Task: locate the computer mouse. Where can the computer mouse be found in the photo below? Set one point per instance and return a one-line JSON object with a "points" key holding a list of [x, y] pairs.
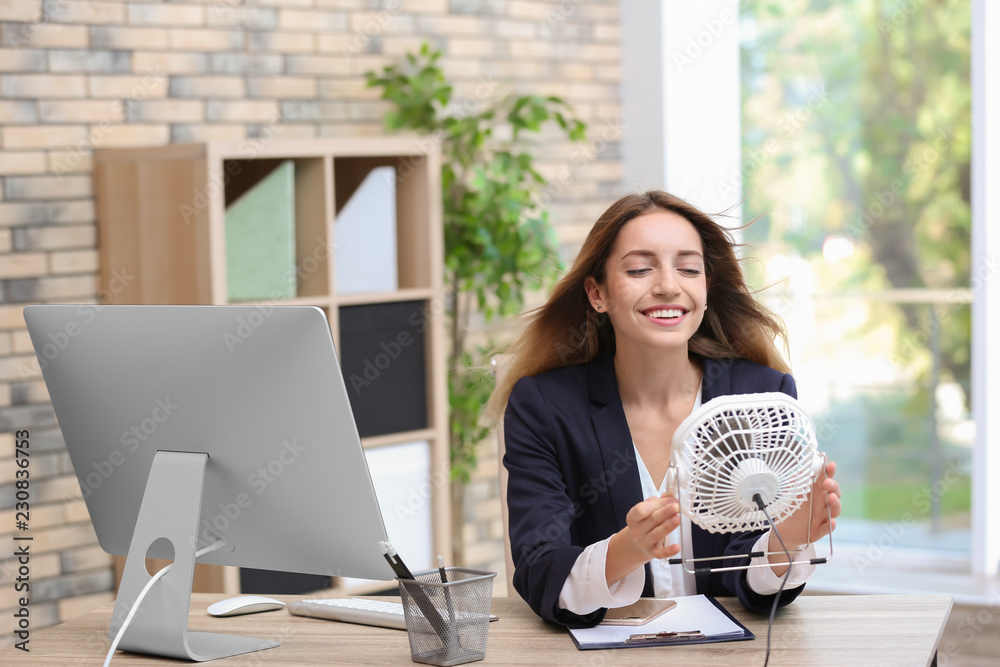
{"points": [[244, 604]]}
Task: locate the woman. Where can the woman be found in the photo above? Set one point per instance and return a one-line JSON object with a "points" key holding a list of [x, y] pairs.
{"points": [[653, 320]]}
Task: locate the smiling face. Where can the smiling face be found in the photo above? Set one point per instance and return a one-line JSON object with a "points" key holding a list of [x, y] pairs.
{"points": [[654, 287]]}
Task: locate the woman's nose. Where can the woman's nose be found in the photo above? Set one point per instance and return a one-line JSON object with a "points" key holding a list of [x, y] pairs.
{"points": [[667, 283]]}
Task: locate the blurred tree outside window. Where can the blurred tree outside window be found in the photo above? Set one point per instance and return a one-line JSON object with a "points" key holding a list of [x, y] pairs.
{"points": [[856, 131]]}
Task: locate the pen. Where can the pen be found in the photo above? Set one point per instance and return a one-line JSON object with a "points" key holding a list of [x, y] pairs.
{"points": [[444, 575], [427, 607], [447, 593], [653, 636], [395, 562]]}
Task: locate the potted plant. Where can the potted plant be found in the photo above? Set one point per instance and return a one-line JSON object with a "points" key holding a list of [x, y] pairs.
{"points": [[498, 242]]}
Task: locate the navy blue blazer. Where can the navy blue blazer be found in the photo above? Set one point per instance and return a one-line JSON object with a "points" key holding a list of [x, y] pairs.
{"points": [[574, 477]]}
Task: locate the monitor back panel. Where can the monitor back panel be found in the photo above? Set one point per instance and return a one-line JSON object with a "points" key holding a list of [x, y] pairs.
{"points": [[258, 388]]}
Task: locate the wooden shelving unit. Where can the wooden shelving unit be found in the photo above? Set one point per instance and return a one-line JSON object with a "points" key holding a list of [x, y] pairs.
{"points": [[162, 217]]}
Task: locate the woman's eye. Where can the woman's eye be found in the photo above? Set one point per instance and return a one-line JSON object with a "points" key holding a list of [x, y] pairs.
{"points": [[691, 272], [636, 272]]}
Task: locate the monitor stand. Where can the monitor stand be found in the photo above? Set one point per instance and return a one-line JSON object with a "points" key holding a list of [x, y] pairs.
{"points": [[170, 509]]}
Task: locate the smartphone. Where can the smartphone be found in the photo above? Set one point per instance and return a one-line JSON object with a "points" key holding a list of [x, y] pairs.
{"points": [[638, 613]]}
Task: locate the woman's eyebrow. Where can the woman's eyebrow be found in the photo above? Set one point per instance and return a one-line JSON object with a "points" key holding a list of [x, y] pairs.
{"points": [[651, 254], [639, 253]]}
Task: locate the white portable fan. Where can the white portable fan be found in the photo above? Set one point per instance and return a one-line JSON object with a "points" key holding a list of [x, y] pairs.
{"points": [[736, 450]]}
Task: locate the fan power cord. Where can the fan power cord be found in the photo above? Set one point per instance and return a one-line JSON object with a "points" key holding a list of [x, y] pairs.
{"points": [[145, 589], [777, 596]]}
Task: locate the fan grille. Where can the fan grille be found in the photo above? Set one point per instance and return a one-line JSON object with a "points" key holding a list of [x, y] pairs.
{"points": [[734, 447]]}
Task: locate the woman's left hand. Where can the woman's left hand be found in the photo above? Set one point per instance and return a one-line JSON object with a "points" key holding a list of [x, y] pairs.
{"points": [[803, 526]]}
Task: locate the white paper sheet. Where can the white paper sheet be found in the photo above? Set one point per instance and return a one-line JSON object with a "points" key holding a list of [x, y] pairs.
{"points": [[693, 612]]}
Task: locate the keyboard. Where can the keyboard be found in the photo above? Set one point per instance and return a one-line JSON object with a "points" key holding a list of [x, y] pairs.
{"points": [[352, 610], [355, 610]]}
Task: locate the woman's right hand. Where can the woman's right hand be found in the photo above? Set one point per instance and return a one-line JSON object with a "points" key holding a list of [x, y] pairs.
{"points": [[642, 539], [649, 523]]}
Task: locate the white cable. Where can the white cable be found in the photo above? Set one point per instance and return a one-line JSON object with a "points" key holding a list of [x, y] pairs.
{"points": [[145, 589], [131, 612]]}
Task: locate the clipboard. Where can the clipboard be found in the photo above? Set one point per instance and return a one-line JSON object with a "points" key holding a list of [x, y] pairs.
{"points": [[678, 627]]}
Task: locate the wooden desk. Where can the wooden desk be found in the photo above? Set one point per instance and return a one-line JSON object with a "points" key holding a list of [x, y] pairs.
{"points": [[822, 631]]}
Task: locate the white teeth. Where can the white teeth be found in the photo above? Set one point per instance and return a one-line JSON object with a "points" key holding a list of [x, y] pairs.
{"points": [[665, 313]]}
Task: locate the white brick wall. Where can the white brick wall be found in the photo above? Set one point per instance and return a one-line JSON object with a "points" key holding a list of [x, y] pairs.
{"points": [[76, 75]]}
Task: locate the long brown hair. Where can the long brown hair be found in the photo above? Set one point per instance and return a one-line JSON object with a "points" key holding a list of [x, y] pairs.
{"points": [[567, 330]]}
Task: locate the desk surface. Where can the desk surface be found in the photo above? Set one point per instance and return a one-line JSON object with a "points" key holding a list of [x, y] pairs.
{"points": [[814, 630]]}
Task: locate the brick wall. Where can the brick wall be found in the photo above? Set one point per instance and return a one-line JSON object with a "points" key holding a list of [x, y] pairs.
{"points": [[79, 75]]}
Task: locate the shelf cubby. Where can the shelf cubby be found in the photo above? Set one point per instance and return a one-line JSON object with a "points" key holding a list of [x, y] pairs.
{"points": [[162, 218]]}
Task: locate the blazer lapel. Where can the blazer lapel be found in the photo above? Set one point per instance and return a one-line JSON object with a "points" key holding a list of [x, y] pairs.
{"points": [[614, 440], [715, 379]]}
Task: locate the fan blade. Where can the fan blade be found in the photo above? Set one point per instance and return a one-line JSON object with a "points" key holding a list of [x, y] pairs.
{"points": [[729, 439]]}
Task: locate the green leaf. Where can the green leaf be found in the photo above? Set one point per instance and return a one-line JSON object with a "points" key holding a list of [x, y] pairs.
{"points": [[496, 242]]}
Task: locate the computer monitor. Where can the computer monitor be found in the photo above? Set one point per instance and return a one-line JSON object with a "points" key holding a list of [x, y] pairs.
{"points": [[187, 425]]}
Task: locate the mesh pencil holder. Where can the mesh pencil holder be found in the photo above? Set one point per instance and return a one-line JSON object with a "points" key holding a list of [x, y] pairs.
{"points": [[447, 622]]}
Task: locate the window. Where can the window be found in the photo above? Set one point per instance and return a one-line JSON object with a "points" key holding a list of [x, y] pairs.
{"points": [[853, 123], [857, 162]]}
